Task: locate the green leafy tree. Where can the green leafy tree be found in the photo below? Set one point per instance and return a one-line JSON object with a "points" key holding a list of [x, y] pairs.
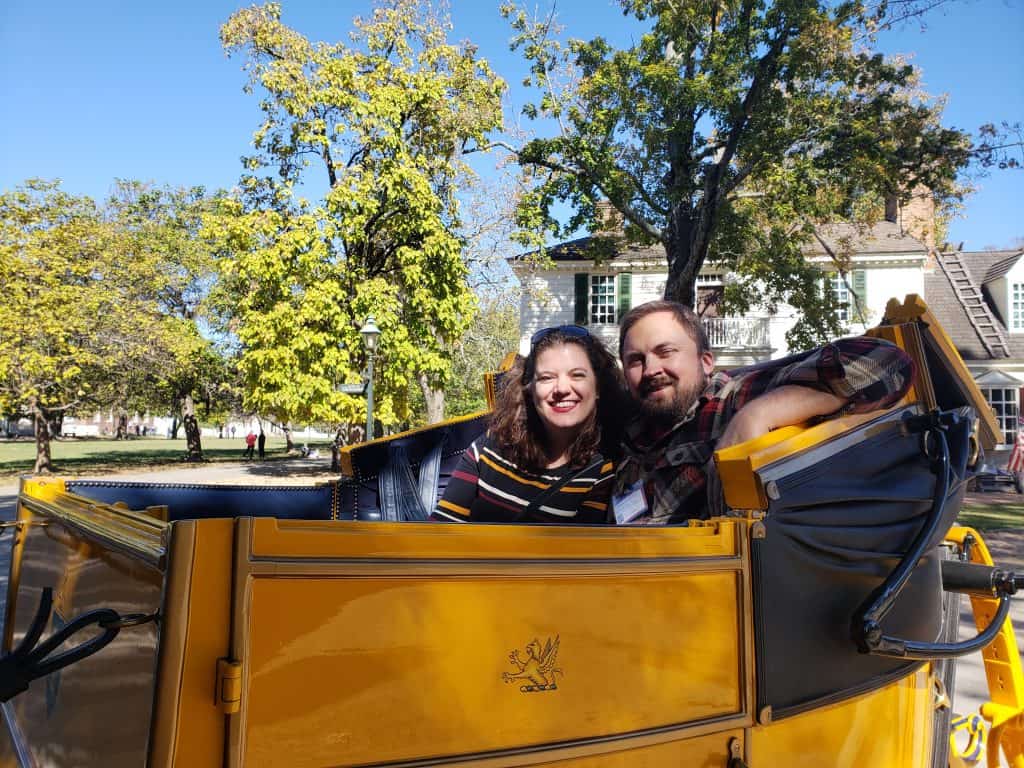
{"points": [[100, 306], [729, 131], [70, 319], [487, 229], [160, 234], [375, 131], [493, 335]]}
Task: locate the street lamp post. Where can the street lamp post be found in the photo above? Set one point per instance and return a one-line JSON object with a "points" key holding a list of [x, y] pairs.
{"points": [[370, 333]]}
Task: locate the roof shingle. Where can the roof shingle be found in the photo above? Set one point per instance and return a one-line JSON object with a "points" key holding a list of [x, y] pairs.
{"points": [[948, 310]]}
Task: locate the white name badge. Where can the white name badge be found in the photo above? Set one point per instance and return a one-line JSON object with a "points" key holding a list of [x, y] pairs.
{"points": [[630, 504]]}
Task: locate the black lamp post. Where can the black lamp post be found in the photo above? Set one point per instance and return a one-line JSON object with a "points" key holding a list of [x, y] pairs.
{"points": [[370, 333]]}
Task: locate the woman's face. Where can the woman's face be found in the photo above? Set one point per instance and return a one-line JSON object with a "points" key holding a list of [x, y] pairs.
{"points": [[564, 388]]}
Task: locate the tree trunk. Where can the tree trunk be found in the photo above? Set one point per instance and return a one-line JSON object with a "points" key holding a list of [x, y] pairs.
{"points": [[339, 440], [122, 427], [44, 461], [56, 425], [289, 445], [175, 426], [685, 249], [193, 437], [434, 399]]}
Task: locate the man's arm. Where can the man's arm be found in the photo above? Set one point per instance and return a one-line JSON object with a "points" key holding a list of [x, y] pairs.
{"points": [[790, 404], [857, 375]]}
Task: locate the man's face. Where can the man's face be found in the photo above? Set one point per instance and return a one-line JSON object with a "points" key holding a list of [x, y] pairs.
{"points": [[665, 373]]}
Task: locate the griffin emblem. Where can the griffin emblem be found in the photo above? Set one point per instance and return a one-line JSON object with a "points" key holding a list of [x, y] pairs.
{"points": [[538, 670]]}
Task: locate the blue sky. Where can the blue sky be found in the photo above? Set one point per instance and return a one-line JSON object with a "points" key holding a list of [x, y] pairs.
{"points": [[122, 88]]}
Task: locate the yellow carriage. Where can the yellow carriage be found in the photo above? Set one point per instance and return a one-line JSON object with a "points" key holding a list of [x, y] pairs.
{"points": [[813, 625]]}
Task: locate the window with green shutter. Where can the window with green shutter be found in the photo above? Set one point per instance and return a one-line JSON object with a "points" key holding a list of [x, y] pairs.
{"points": [[859, 281], [625, 294], [838, 286], [850, 294], [602, 299], [582, 313]]}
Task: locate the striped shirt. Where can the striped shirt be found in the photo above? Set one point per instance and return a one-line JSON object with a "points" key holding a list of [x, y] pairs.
{"points": [[486, 487]]}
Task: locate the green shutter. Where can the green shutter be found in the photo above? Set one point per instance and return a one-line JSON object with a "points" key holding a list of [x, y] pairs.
{"points": [[859, 284], [625, 294], [582, 296]]}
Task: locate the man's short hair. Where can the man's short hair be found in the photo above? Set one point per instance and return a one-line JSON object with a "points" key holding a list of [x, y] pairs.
{"points": [[685, 316]]}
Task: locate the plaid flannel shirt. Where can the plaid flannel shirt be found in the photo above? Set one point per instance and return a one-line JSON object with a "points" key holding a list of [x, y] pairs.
{"points": [[676, 468]]}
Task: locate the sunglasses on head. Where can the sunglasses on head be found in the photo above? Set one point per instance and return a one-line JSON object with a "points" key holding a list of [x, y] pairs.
{"points": [[576, 331]]}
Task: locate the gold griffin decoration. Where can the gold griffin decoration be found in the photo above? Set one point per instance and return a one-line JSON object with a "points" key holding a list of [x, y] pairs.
{"points": [[538, 670]]}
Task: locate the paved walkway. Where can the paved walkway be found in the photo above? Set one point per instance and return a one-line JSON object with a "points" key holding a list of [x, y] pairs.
{"points": [[293, 471]]}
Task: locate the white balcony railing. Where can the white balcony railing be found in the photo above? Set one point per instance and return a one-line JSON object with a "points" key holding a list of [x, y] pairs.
{"points": [[737, 332]]}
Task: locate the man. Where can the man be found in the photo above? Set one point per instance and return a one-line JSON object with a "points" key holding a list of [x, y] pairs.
{"points": [[686, 411]]}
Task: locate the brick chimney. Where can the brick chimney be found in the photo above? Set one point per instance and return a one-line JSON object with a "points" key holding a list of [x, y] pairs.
{"points": [[892, 209], [917, 216], [609, 220]]}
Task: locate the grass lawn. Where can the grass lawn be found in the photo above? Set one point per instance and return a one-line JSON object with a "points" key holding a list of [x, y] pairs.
{"points": [[89, 455], [992, 516]]}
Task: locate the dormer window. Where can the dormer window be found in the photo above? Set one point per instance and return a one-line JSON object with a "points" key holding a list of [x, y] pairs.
{"points": [[1017, 307]]}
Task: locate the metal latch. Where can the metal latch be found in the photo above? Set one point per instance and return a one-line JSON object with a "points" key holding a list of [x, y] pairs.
{"points": [[940, 698], [228, 695], [736, 754]]}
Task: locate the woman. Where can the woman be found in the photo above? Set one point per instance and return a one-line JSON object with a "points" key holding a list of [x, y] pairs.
{"points": [[548, 454]]}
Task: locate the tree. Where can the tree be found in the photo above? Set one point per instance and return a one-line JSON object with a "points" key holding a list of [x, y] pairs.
{"points": [[160, 235], [96, 305], [486, 229], [386, 122], [493, 334], [69, 319], [729, 132]]}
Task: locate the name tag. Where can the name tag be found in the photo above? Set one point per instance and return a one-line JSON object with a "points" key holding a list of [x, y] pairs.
{"points": [[630, 504]]}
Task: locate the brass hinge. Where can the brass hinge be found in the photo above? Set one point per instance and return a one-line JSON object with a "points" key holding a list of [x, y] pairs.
{"points": [[940, 698], [736, 754], [228, 695]]}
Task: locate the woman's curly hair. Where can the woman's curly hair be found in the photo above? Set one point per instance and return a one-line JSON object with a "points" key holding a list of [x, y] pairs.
{"points": [[517, 429]]}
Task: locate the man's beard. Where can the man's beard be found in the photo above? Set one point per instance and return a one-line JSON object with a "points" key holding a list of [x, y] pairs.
{"points": [[667, 413]]}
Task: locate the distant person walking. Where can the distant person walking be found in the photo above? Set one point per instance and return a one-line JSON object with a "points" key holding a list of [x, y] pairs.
{"points": [[250, 444], [261, 443]]}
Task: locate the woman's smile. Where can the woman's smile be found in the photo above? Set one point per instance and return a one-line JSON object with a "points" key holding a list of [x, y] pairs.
{"points": [[564, 406], [564, 389]]}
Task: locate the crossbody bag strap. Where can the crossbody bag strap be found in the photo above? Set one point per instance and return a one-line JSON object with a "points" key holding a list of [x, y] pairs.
{"points": [[555, 487]]}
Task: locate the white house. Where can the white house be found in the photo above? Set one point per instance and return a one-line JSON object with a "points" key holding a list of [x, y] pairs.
{"points": [[978, 297], [577, 288]]}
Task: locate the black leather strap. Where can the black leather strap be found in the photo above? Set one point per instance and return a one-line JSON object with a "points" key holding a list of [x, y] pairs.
{"points": [[555, 487], [404, 498]]}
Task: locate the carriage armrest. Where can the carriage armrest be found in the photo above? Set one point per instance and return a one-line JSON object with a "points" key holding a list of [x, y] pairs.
{"points": [[739, 465]]}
